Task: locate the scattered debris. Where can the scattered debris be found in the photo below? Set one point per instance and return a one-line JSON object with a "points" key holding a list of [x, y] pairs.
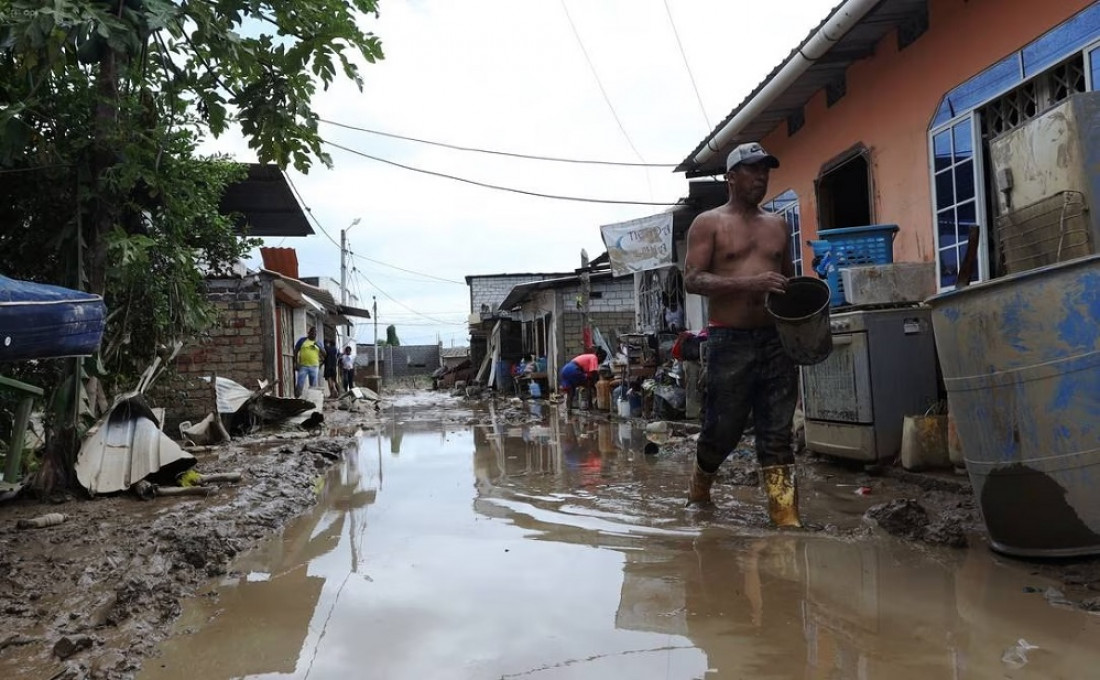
{"points": [[1056, 597], [314, 422], [207, 431], [127, 446], [1015, 657], [68, 646], [17, 640], [1091, 604], [264, 409], [192, 478], [42, 521], [906, 518], [945, 531], [147, 491]]}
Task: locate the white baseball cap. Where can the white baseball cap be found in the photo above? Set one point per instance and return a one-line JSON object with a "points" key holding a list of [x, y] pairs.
{"points": [[750, 152]]}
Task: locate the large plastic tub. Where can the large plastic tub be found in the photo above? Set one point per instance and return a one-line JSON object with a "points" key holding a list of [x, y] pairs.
{"points": [[1021, 362], [851, 247]]}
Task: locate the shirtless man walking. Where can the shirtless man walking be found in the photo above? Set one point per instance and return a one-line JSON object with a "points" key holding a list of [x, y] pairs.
{"points": [[737, 254]]}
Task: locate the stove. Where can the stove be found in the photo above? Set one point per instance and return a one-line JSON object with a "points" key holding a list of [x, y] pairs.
{"points": [[883, 368]]}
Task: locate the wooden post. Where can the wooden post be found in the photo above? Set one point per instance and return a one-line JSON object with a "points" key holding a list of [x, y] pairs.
{"points": [[19, 425], [962, 280]]}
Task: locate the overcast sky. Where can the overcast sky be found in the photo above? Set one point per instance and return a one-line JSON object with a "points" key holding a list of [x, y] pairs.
{"points": [[510, 75]]}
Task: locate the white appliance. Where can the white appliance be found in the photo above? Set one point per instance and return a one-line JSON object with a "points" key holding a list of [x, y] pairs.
{"points": [[883, 368]]}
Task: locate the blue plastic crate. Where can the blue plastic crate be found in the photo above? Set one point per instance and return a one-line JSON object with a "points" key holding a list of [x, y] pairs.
{"points": [[851, 247]]}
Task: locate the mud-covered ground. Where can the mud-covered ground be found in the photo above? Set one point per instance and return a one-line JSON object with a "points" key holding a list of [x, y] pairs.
{"points": [[93, 596]]}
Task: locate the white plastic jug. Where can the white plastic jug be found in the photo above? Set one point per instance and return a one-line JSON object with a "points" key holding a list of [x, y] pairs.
{"points": [[624, 408]]}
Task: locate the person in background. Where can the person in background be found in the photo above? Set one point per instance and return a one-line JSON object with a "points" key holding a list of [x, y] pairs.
{"points": [[330, 363], [674, 316], [308, 356], [582, 371], [738, 254], [347, 368]]}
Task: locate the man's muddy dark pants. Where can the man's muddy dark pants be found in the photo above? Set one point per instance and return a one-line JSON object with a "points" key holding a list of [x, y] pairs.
{"points": [[747, 371]]}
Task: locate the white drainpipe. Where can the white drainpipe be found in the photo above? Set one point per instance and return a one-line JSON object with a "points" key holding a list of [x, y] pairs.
{"points": [[849, 14]]}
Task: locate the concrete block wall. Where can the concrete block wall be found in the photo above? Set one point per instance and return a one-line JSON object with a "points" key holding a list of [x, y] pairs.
{"points": [[491, 290], [617, 295], [233, 348], [607, 322], [397, 362]]}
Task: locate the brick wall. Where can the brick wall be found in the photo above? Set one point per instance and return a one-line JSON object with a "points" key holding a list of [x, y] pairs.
{"points": [[233, 348]]}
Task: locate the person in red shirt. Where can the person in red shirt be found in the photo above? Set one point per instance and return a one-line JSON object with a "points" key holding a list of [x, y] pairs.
{"points": [[583, 370]]}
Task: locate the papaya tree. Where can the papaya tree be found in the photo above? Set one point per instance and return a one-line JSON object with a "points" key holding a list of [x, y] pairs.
{"points": [[102, 106]]}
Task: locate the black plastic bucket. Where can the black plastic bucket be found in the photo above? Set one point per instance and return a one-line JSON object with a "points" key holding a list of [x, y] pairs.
{"points": [[802, 318]]}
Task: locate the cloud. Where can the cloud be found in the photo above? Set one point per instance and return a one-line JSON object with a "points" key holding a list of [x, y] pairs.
{"points": [[509, 75]]}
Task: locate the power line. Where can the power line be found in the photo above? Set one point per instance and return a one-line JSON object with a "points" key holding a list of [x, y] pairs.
{"points": [[492, 186], [457, 147], [409, 271], [317, 223], [409, 278], [592, 67], [698, 97], [398, 302], [308, 210]]}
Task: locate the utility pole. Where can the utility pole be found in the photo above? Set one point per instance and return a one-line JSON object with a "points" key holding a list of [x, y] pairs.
{"points": [[344, 253], [374, 313], [586, 292]]}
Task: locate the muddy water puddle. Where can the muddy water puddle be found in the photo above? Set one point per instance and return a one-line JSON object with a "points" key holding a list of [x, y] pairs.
{"points": [[559, 550]]}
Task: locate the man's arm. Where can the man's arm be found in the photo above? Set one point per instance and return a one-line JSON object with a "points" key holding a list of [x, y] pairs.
{"points": [[297, 348], [697, 276]]}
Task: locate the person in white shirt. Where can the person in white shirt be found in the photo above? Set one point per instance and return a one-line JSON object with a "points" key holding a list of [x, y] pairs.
{"points": [[347, 368]]}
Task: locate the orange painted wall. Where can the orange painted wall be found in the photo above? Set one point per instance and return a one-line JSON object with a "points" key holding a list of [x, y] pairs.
{"points": [[891, 98]]}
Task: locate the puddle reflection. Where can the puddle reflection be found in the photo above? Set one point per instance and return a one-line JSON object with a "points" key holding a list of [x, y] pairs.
{"points": [[570, 556]]}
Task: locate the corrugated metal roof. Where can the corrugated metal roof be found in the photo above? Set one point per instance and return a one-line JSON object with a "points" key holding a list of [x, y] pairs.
{"points": [[266, 204], [281, 260], [521, 292], [858, 43], [455, 352], [471, 277], [125, 447]]}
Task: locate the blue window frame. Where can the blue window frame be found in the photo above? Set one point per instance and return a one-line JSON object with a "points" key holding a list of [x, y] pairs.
{"points": [[1092, 67], [956, 195], [786, 206], [1045, 51]]}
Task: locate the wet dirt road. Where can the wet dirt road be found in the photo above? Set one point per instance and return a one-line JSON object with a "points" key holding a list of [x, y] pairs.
{"points": [[557, 549]]}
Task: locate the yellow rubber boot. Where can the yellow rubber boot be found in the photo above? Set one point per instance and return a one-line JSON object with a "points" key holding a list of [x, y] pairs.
{"points": [[699, 493], [782, 495]]}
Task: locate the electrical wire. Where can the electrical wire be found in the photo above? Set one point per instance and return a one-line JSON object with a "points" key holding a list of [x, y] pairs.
{"points": [[408, 271], [317, 223], [398, 302], [691, 76], [445, 145], [309, 211], [493, 186], [592, 67]]}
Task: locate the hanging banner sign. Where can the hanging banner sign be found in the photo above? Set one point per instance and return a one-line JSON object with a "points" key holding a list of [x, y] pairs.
{"points": [[639, 245]]}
